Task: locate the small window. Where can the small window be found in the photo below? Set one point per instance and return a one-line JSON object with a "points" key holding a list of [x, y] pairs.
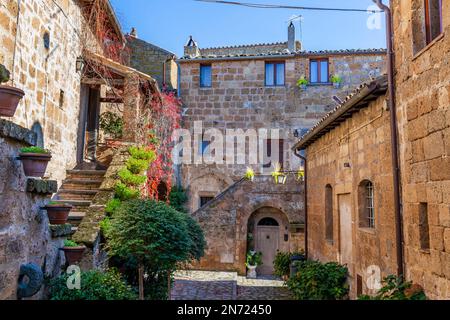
{"points": [[268, 222], [433, 19], [204, 201], [269, 153], [275, 72], [424, 228], [329, 213], [366, 205], [205, 76], [319, 71]]}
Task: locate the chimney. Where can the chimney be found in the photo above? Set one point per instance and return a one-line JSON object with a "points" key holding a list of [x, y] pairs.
{"points": [[291, 37], [133, 33], [191, 48]]}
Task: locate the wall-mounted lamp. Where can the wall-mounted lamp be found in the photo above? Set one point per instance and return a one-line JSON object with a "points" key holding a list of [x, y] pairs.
{"points": [[80, 64]]}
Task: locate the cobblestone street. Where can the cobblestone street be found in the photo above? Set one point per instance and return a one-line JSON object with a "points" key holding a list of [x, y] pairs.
{"points": [[203, 285]]}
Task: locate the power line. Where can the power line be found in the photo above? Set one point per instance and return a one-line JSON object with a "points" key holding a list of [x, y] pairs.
{"points": [[275, 6]]}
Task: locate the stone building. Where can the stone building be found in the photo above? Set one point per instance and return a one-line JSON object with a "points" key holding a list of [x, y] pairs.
{"points": [[153, 60], [350, 195], [254, 87], [357, 150], [422, 66], [67, 64]]}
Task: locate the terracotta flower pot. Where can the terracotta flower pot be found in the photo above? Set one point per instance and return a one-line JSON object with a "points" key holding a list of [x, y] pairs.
{"points": [[73, 254], [35, 164], [9, 99], [58, 214]]}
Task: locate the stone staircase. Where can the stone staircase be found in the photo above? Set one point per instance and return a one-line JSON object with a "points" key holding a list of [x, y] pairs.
{"points": [[78, 190]]}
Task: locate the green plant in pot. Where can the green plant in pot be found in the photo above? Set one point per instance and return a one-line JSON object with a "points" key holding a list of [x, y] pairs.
{"points": [[57, 212], [249, 174], [112, 125], [254, 260], [9, 96], [302, 83], [336, 80], [35, 161], [73, 251]]}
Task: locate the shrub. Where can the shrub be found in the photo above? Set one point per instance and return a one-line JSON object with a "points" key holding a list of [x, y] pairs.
{"points": [[137, 166], [112, 206], [317, 281], [395, 288], [282, 263], [70, 244], [178, 199], [105, 226], [38, 150], [95, 285], [112, 124], [142, 153], [154, 236], [131, 179], [125, 193]]}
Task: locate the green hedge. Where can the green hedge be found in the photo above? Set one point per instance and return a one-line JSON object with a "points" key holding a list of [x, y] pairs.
{"points": [[319, 281]]}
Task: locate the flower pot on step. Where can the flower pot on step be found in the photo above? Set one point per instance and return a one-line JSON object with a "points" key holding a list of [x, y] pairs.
{"points": [[73, 254], [9, 99], [58, 214], [35, 164]]}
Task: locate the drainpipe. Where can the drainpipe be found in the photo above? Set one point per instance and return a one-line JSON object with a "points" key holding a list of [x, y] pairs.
{"points": [[394, 139], [296, 152]]}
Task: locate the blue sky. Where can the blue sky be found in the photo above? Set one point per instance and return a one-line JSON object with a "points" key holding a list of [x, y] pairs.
{"points": [[168, 23]]}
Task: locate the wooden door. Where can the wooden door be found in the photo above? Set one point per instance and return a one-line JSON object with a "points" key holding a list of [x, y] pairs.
{"points": [[267, 242], [345, 230]]}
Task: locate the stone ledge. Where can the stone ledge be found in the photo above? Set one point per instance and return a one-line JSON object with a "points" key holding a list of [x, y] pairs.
{"points": [[11, 130], [61, 230], [39, 186]]}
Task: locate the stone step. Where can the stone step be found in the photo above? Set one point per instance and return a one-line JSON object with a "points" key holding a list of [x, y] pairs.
{"points": [[76, 194], [81, 184], [85, 174], [75, 218], [78, 205]]}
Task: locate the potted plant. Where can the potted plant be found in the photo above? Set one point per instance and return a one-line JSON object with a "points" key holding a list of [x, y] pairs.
{"points": [[9, 96], [73, 251], [35, 161], [302, 82], [336, 80], [254, 260], [57, 213], [112, 125], [278, 175], [249, 174]]}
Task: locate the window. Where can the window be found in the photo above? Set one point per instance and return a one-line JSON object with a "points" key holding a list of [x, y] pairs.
{"points": [[204, 201], [329, 213], [204, 147], [205, 76], [269, 153], [319, 71], [275, 74], [433, 19], [424, 228], [268, 222], [366, 205]]}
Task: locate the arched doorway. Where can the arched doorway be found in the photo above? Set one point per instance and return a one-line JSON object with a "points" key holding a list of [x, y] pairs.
{"points": [[268, 233]]}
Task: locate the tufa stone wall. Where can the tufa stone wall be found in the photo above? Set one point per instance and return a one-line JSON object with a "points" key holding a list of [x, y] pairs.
{"points": [[239, 99], [226, 220], [154, 61], [423, 103], [363, 143], [25, 233]]}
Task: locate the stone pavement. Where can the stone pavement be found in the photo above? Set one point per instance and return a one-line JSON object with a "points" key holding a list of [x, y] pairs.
{"points": [[205, 285]]}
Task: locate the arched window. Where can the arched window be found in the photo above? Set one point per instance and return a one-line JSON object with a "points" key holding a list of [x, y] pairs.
{"points": [[366, 205], [329, 213], [268, 222]]}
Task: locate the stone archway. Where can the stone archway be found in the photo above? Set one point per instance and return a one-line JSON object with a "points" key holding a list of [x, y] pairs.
{"points": [[268, 233]]}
